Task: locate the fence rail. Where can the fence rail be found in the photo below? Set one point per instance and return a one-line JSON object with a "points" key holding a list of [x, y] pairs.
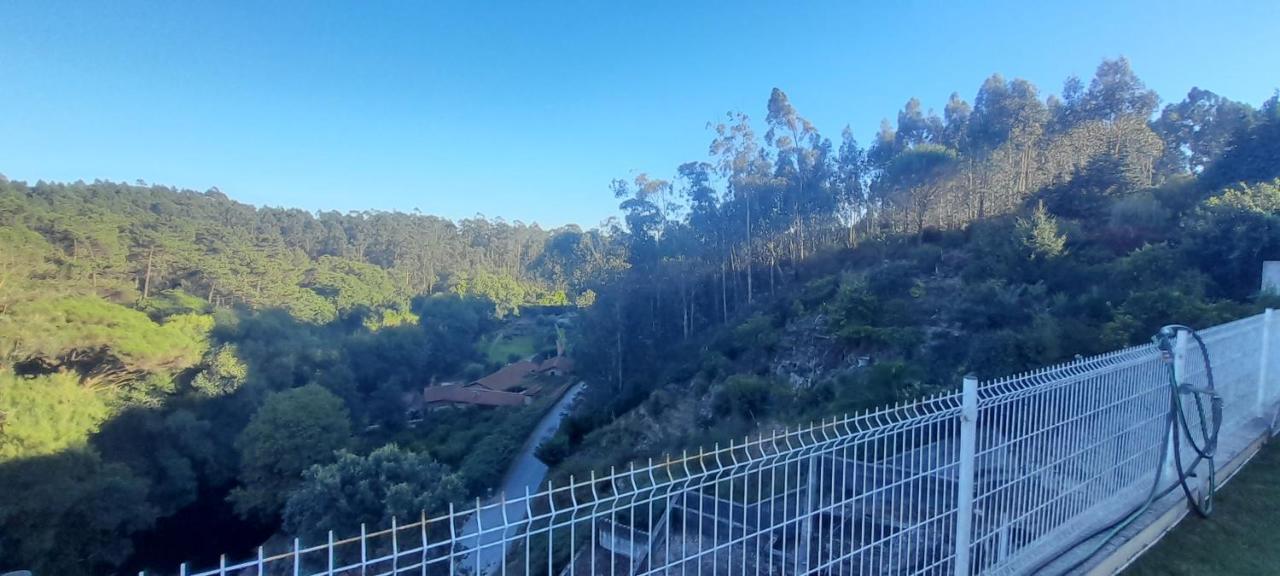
{"points": [[993, 478]]}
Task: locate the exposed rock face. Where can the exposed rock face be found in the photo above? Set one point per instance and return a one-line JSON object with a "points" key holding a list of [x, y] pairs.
{"points": [[807, 353]]}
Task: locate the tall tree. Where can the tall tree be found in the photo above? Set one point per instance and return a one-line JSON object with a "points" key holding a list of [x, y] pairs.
{"points": [[292, 431], [1116, 92]]}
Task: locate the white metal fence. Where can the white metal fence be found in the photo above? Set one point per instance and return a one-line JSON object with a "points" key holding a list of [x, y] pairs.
{"points": [[993, 478]]}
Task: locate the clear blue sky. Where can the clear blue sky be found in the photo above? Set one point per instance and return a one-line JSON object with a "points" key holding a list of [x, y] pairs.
{"points": [[523, 111]]}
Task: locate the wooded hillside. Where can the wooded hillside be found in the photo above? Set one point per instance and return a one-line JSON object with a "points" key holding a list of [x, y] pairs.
{"points": [[173, 352]]}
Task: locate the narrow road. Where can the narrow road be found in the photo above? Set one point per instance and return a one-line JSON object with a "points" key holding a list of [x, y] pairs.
{"points": [[526, 473]]}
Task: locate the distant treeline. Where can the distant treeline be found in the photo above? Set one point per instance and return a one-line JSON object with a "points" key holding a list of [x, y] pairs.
{"points": [[162, 346]]}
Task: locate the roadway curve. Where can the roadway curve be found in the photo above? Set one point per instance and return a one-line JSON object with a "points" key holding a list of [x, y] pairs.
{"points": [[525, 473]]}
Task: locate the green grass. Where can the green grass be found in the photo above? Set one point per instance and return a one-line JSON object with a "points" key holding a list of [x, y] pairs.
{"points": [[502, 347], [1242, 536]]}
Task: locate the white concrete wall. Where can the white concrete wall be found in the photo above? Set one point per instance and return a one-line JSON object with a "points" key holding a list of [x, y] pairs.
{"points": [[1271, 276]]}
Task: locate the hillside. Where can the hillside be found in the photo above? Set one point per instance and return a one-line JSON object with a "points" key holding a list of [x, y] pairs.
{"points": [[1104, 227], [185, 356]]}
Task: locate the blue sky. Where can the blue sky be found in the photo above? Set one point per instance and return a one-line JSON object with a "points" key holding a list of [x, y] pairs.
{"points": [[526, 110]]}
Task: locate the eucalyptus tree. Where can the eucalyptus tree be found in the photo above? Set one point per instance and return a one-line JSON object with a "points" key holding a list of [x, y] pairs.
{"points": [[850, 182], [1198, 130]]}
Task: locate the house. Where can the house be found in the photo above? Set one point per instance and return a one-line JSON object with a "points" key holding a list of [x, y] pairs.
{"points": [[508, 378], [454, 395], [556, 366]]}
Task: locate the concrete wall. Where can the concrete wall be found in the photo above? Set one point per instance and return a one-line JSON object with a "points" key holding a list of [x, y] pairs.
{"points": [[1271, 276]]}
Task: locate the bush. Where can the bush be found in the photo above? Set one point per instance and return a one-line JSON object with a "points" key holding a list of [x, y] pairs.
{"points": [[756, 334], [554, 450], [746, 396]]}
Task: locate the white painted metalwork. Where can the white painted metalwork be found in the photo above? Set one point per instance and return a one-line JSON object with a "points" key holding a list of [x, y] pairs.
{"points": [[991, 479]]}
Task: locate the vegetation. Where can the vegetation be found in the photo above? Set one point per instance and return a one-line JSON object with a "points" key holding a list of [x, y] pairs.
{"points": [[1236, 539], [356, 490], [1007, 234], [290, 432], [162, 349]]}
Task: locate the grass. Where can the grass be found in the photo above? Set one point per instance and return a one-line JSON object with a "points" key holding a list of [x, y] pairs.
{"points": [[1240, 537], [503, 347]]}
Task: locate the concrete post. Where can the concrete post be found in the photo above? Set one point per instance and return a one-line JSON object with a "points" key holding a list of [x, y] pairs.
{"points": [[1179, 378], [1264, 361], [968, 451]]}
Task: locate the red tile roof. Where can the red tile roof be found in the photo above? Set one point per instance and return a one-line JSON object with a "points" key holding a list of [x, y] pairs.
{"points": [[472, 395], [563, 363], [508, 377]]}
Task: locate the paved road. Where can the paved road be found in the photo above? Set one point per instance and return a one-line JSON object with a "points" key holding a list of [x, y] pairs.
{"points": [[527, 471]]}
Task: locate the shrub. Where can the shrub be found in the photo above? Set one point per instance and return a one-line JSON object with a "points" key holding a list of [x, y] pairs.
{"points": [[746, 396]]}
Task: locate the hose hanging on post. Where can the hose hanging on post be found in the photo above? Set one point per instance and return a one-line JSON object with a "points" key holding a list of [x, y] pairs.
{"points": [[1206, 451], [1176, 426]]}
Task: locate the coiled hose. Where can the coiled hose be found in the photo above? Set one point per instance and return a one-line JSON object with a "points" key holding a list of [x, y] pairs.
{"points": [[1176, 427]]}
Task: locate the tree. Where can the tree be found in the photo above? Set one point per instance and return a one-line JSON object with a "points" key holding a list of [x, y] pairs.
{"points": [[107, 344], [1253, 154], [955, 132], [224, 373], [915, 180], [1198, 130], [1040, 235], [292, 431], [851, 181], [1231, 234], [1116, 92], [1088, 193], [46, 414], [353, 490], [914, 128], [178, 452], [70, 514]]}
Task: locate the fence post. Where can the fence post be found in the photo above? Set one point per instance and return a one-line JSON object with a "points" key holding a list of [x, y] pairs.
{"points": [[968, 450], [1264, 360], [1179, 378]]}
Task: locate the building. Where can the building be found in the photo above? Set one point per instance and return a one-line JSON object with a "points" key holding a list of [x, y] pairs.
{"points": [[556, 366], [509, 378], [454, 395]]}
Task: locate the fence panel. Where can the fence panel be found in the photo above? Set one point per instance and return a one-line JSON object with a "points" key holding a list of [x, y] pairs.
{"points": [[1056, 454]]}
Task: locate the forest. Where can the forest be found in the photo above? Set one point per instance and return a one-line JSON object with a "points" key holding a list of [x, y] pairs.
{"points": [[166, 354]]}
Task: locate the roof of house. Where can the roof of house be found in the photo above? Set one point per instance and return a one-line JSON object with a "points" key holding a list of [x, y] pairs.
{"points": [[472, 395], [508, 377], [563, 363]]}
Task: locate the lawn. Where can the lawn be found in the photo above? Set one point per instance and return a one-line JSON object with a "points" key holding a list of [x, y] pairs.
{"points": [[504, 346], [1240, 538]]}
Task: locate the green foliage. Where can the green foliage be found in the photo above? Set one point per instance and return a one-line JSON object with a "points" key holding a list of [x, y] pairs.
{"points": [[1261, 198], [756, 335], [485, 461], [506, 346], [69, 514], [107, 343], [746, 396], [292, 431], [1040, 235], [223, 374], [554, 450], [1252, 153], [505, 292], [1230, 235], [172, 303], [1089, 192], [23, 264], [45, 415], [775, 252], [881, 384], [388, 483], [1144, 312], [862, 320], [177, 451]]}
